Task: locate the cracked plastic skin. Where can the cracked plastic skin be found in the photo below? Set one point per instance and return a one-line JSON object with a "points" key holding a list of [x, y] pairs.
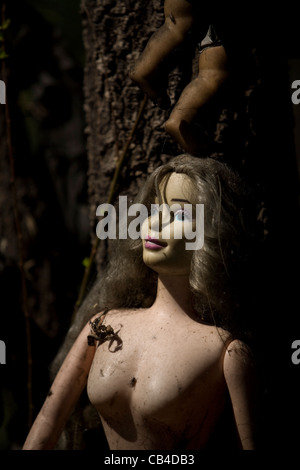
{"points": [[150, 73], [166, 387]]}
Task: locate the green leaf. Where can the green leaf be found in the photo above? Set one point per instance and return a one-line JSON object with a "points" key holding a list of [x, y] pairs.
{"points": [[3, 55], [5, 25], [86, 262]]}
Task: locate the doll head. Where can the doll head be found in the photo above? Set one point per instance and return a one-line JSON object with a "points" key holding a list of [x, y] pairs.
{"points": [[215, 269], [173, 220]]}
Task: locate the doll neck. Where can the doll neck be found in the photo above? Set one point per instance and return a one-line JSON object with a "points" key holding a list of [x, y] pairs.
{"points": [[173, 296]]}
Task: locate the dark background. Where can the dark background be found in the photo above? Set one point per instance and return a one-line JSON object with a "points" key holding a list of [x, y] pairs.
{"points": [[45, 82], [45, 99]]}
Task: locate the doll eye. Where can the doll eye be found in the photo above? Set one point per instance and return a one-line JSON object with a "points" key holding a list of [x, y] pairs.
{"points": [[154, 209], [182, 215]]}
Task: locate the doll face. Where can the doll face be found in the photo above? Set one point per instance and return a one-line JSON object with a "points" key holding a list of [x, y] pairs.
{"points": [[169, 255]]}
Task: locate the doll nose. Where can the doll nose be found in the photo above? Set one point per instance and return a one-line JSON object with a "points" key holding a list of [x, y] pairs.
{"points": [[159, 219]]}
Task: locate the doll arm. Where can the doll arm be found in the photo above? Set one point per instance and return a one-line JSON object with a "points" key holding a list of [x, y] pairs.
{"points": [[63, 395], [148, 71], [240, 376], [179, 19]]}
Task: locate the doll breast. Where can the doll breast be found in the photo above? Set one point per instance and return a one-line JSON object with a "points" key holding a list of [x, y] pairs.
{"points": [[153, 387]]}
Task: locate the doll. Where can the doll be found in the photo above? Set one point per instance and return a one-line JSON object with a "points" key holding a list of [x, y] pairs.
{"points": [[183, 17], [165, 352]]}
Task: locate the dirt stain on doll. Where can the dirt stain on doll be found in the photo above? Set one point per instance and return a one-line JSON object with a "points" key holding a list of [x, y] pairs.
{"points": [[132, 382], [179, 386]]}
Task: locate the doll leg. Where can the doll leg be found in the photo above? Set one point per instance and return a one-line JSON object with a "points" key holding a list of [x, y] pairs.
{"points": [[149, 71], [213, 73]]}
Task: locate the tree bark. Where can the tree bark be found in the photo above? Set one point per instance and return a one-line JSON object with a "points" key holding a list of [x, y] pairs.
{"points": [[114, 35]]}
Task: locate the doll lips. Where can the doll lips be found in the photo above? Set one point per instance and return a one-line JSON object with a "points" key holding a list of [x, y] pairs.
{"points": [[154, 243]]}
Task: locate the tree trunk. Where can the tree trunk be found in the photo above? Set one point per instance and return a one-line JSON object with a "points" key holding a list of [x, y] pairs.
{"points": [[114, 34]]}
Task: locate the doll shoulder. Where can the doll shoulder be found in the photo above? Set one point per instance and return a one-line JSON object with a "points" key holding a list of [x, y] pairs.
{"points": [[238, 363]]}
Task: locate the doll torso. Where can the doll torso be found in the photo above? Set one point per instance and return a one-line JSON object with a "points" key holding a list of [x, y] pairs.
{"points": [[164, 389]]}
